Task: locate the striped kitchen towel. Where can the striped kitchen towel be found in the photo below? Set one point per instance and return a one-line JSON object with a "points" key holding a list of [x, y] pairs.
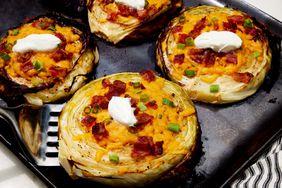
{"points": [[266, 172]]}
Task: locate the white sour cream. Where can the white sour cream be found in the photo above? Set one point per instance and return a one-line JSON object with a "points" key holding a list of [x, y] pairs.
{"points": [[219, 41], [37, 42], [121, 111], [138, 4]]}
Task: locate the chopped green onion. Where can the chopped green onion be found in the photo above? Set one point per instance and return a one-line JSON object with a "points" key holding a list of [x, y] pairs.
{"points": [[8, 46], [5, 56], [214, 88], [15, 32], [181, 45], [168, 102], [174, 127], [160, 116], [182, 19], [144, 98], [141, 106], [37, 65], [256, 54], [137, 92], [51, 28], [95, 109], [189, 41], [87, 110], [190, 73], [248, 23], [114, 158], [136, 84]]}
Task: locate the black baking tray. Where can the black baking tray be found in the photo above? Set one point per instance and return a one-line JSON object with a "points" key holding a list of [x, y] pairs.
{"points": [[232, 135]]}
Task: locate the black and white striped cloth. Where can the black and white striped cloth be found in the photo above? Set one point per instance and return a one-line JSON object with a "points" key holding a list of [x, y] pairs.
{"points": [[266, 172]]}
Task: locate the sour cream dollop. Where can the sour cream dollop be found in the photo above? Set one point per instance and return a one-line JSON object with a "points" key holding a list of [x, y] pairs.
{"points": [[36, 42], [121, 111], [219, 41], [138, 4]]}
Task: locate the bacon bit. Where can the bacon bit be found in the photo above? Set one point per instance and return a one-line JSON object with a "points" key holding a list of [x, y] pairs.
{"points": [[145, 146], [99, 101], [201, 24], [116, 89], [148, 75], [106, 83], [178, 59], [142, 14], [158, 148], [25, 67], [143, 119], [133, 101], [152, 10], [231, 58], [99, 131], [60, 55], [112, 16], [152, 104], [230, 26], [205, 56], [236, 19], [24, 57], [257, 34], [242, 77], [182, 38], [88, 121], [42, 23], [136, 111], [142, 147], [62, 38], [58, 72], [177, 29], [215, 25], [126, 11]]}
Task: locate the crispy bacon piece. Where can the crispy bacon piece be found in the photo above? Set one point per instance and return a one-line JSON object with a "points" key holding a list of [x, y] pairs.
{"points": [[58, 72], [158, 148], [106, 83], [143, 119], [43, 23], [99, 101], [60, 55], [88, 121], [142, 147], [206, 56], [112, 16], [152, 104], [178, 59], [116, 89], [231, 58], [216, 25], [24, 57], [25, 67], [62, 38], [133, 101], [242, 77], [236, 19], [257, 34], [177, 29], [148, 75], [230, 26], [99, 131], [145, 146], [201, 24], [182, 38], [126, 11]]}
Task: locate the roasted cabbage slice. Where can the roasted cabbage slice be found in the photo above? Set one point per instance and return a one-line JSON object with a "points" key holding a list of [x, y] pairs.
{"points": [[207, 75], [116, 20], [31, 64], [94, 144]]}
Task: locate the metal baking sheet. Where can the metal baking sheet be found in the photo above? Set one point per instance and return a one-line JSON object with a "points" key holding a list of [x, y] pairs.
{"points": [[231, 135]]}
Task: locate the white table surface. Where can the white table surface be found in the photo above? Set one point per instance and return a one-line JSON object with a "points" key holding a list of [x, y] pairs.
{"points": [[14, 174]]}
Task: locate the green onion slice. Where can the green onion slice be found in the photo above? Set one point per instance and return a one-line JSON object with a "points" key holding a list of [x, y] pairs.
{"points": [[248, 23], [190, 73], [37, 65], [15, 32], [181, 45], [141, 106], [214, 88], [189, 41], [168, 102], [114, 158], [144, 98], [174, 127], [5, 56]]}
